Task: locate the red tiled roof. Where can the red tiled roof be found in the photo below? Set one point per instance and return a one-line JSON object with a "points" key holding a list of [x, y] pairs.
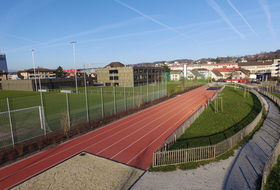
{"points": [[226, 70]]}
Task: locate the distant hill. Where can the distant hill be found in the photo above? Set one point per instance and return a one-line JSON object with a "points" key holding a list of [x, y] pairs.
{"points": [[263, 56]]}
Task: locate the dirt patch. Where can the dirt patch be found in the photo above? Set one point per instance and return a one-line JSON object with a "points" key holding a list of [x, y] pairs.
{"points": [[84, 171]]}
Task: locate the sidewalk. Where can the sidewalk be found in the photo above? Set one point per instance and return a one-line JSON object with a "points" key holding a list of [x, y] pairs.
{"points": [[247, 168]]}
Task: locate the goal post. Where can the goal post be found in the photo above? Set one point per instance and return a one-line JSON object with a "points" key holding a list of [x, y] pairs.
{"points": [[21, 124]]}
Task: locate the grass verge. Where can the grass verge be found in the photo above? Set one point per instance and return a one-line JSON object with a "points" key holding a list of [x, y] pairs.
{"points": [[194, 165], [273, 180], [211, 128]]}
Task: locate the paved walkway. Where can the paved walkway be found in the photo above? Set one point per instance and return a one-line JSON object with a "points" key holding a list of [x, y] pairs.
{"points": [[248, 165]]}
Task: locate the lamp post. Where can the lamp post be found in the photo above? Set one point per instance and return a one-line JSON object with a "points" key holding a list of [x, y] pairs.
{"points": [[73, 42], [32, 51]]}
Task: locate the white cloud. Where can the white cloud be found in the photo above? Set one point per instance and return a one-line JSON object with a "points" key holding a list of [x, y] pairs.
{"points": [[266, 9], [155, 20], [215, 6], [242, 18]]}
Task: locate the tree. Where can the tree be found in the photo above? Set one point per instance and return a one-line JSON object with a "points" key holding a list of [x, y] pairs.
{"points": [[166, 68], [228, 58], [238, 60], [59, 72], [218, 60]]}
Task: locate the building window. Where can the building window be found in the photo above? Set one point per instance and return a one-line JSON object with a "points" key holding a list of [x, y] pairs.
{"points": [[135, 77], [135, 70], [114, 78], [113, 71], [140, 70], [141, 76]]}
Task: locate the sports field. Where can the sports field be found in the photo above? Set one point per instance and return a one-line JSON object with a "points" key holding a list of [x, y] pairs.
{"points": [[75, 107]]}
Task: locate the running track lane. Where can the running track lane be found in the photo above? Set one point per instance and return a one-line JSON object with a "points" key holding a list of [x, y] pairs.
{"points": [[131, 140]]}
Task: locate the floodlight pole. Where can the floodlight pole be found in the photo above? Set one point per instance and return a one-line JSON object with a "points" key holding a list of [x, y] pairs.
{"points": [[32, 51], [73, 42]]}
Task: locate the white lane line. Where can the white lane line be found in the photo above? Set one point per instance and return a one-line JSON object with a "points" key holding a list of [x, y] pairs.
{"points": [[150, 132], [123, 123], [166, 113], [153, 141]]}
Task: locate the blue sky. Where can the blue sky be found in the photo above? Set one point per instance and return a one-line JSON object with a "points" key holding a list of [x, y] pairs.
{"points": [[134, 31]]}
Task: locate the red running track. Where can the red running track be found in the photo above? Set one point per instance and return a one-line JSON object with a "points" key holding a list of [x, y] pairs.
{"points": [[130, 141]]}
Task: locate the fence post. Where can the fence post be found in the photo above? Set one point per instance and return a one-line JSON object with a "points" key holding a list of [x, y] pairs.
{"points": [[114, 90], [141, 92], [133, 97], [214, 151], [11, 125], [102, 104], [162, 93], [154, 91], [86, 103], [158, 85], [43, 111], [124, 98], [147, 87], [68, 114]]}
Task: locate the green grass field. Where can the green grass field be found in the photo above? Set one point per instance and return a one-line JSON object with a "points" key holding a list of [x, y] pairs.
{"points": [[26, 124], [100, 102], [273, 180], [211, 128], [276, 94]]}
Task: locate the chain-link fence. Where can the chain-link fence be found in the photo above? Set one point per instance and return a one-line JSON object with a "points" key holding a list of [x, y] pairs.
{"points": [[23, 118]]}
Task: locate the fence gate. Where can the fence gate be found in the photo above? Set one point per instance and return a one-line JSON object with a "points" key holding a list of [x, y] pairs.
{"points": [[19, 125]]}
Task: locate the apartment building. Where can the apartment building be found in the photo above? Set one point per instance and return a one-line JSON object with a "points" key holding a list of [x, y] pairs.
{"points": [[117, 74]]}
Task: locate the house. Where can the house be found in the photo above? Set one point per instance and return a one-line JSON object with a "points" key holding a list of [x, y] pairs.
{"points": [[117, 74], [194, 75], [240, 74], [176, 75], [204, 72], [226, 72], [216, 75], [14, 76]]}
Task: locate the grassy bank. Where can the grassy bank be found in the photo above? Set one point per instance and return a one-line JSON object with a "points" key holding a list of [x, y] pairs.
{"points": [[276, 94], [194, 165], [273, 180], [211, 128]]}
